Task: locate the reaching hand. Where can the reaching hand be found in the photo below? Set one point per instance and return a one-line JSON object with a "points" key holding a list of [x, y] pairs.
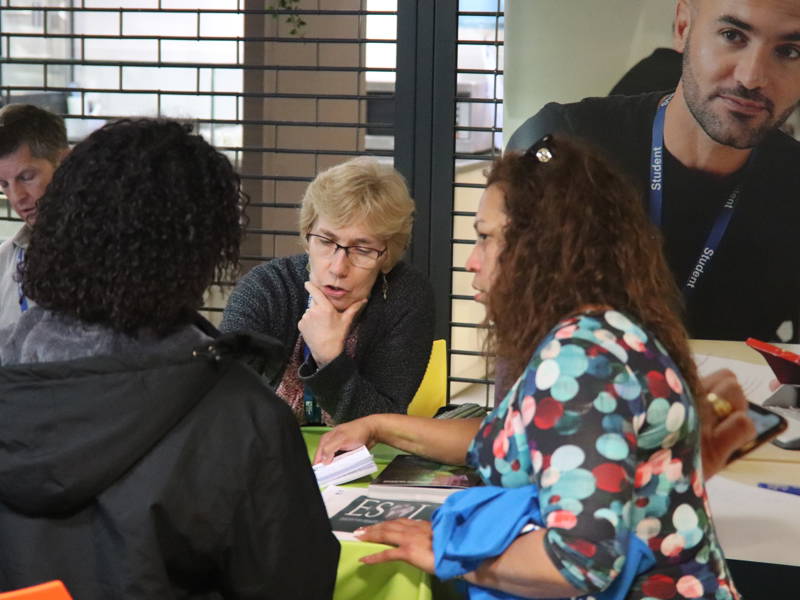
{"points": [[722, 436], [347, 436], [324, 328], [413, 541]]}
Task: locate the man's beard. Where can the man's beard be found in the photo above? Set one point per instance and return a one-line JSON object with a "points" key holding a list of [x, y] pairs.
{"points": [[741, 136]]}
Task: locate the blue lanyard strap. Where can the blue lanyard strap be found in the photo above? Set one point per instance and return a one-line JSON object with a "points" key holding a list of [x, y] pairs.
{"points": [[23, 301], [703, 263], [657, 163], [311, 408]]}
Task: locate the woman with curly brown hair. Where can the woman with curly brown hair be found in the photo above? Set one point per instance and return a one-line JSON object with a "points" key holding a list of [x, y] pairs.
{"points": [[592, 460], [140, 458]]}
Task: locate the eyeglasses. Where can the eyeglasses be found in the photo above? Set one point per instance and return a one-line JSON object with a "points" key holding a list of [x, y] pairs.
{"points": [[359, 256], [541, 150]]}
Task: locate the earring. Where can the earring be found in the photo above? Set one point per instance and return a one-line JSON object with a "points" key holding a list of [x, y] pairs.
{"points": [[384, 286]]}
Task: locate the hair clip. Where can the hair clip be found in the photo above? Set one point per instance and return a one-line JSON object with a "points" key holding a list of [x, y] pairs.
{"points": [[544, 155], [540, 150]]}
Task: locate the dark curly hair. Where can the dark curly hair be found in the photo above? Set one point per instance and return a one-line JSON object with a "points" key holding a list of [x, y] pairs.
{"points": [[139, 220], [577, 235]]}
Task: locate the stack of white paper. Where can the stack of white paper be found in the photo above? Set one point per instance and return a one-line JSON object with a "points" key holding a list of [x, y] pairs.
{"points": [[345, 467], [754, 378], [755, 524]]}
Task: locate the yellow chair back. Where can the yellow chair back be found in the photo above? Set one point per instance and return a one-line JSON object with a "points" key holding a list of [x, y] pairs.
{"points": [[432, 392]]}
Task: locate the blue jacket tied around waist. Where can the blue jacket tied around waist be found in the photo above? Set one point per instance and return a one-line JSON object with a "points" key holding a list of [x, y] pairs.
{"points": [[481, 522]]}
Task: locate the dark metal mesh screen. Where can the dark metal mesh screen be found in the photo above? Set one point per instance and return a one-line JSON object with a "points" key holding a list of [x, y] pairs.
{"points": [[284, 93], [477, 141]]}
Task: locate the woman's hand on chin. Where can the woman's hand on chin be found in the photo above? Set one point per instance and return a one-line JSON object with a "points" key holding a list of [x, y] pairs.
{"points": [[412, 541], [324, 328]]}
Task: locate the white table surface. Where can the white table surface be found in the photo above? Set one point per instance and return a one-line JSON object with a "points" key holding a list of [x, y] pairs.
{"points": [[754, 524]]}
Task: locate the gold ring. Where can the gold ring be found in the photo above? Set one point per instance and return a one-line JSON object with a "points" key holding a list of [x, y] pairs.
{"points": [[721, 406]]}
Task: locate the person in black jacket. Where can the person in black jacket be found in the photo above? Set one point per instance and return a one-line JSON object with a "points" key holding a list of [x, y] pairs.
{"points": [[139, 457]]}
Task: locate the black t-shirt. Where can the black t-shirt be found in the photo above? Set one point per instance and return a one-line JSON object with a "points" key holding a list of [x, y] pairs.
{"points": [[753, 284]]}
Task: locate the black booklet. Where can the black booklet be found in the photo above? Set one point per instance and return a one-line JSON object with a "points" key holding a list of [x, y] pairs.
{"points": [[411, 477], [351, 508]]}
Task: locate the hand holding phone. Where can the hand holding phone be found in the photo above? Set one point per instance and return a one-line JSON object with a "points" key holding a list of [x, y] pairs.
{"points": [[768, 425], [722, 434]]}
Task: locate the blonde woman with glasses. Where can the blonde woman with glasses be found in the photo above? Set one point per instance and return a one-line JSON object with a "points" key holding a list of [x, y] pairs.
{"points": [[355, 321]]}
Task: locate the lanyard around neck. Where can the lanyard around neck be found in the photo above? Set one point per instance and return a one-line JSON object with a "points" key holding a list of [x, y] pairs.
{"points": [[703, 262], [23, 301], [311, 408]]}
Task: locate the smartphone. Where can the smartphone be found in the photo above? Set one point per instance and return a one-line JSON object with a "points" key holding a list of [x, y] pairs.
{"points": [[786, 402], [768, 426], [785, 364]]}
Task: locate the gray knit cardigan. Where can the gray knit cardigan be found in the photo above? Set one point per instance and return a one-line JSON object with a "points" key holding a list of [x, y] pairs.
{"points": [[394, 336]]}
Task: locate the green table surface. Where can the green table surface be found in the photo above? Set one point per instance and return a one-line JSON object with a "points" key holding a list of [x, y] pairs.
{"points": [[386, 581]]}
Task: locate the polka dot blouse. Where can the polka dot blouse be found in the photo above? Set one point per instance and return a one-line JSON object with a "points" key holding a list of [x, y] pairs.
{"points": [[603, 423]]}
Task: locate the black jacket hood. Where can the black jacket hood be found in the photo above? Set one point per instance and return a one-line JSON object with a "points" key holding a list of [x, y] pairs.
{"points": [[59, 447]]}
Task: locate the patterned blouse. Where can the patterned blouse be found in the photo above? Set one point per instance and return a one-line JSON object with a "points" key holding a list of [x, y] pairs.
{"points": [[603, 423]]}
